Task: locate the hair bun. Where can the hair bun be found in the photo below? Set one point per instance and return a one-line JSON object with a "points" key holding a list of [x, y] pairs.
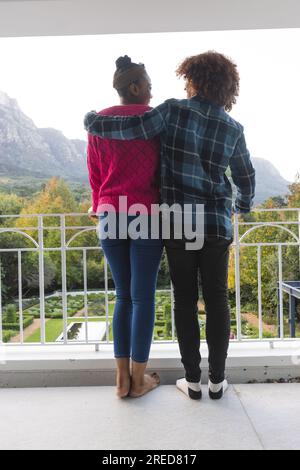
{"points": [[123, 63]]}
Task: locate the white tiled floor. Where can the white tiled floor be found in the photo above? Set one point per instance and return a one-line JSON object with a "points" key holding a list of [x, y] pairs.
{"points": [[249, 417], [274, 411]]}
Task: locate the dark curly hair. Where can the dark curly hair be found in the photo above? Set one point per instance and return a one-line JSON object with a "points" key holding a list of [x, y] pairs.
{"points": [[212, 75]]}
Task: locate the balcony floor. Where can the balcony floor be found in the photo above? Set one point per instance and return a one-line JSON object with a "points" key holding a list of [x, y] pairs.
{"points": [[248, 417]]}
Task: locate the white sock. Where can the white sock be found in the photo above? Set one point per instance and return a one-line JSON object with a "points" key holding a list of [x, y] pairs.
{"points": [[217, 388], [184, 386]]}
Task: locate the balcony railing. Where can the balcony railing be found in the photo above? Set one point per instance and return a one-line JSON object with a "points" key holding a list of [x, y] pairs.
{"points": [[256, 243]]}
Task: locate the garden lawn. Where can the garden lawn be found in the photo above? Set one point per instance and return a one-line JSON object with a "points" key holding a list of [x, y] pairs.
{"points": [[54, 328]]}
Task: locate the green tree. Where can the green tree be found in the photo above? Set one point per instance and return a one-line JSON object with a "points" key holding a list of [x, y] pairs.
{"points": [[294, 196], [10, 204]]}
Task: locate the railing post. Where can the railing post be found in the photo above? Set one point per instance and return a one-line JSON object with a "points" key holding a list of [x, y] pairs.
{"points": [[172, 312], [42, 277], [1, 334], [278, 310], [20, 295], [2, 347], [292, 315], [106, 297], [281, 319], [85, 296], [64, 277], [237, 277], [299, 238], [259, 286]]}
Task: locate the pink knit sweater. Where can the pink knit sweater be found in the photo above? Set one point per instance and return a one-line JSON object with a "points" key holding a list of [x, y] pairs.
{"points": [[118, 168]]}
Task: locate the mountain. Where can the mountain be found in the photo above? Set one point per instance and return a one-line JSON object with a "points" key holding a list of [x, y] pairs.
{"points": [[26, 150], [29, 151], [269, 181]]}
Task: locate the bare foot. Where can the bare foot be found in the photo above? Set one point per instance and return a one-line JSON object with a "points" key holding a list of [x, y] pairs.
{"points": [[150, 383], [123, 385]]}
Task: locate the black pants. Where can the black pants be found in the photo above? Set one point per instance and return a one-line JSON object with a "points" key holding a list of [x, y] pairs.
{"points": [[211, 264]]}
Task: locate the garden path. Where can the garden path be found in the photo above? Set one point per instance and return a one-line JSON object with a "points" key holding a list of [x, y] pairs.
{"points": [[28, 331], [253, 320]]}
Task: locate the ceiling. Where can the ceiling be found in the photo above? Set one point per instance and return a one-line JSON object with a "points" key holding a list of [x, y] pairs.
{"points": [[68, 17]]}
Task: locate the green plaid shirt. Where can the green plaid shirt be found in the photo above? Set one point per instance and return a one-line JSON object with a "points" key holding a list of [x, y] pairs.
{"points": [[199, 142]]}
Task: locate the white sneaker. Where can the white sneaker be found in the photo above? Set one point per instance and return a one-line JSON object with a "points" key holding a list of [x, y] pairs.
{"points": [[190, 389], [216, 391]]}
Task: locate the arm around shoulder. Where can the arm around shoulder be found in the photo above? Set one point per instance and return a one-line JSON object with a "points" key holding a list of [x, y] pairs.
{"points": [[144, 127]]}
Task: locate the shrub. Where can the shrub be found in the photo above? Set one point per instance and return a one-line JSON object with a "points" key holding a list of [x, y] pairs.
{"points": [[168, 311], [54, 316], [268, 334], [11, 313], [7, 335], [168, 328], [27, 321], [160, 317], [35, 312]]}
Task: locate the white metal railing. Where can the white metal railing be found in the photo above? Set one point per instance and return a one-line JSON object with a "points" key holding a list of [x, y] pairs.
{"points": [[239, 242], [38, 246]]}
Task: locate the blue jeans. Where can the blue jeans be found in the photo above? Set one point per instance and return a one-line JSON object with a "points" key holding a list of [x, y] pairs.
{"points": [[134, 265]]}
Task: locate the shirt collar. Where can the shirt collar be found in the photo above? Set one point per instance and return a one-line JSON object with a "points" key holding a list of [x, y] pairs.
{"points": [[199, 97]]}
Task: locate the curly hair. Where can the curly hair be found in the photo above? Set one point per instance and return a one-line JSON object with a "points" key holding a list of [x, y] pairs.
{"points": [[212, 75]]}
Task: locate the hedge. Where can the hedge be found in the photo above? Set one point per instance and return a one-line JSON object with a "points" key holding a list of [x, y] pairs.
{"points": [[53, 314], [27, 321], [7, 335]]}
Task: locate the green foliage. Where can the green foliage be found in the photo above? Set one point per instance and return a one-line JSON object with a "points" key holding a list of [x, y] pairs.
{"points": [[294, 197], [11, 313], [9, 204], [27, 321], [54, 197], [59, 196], [7, 335], [168, 311], [168, 320], [54, 309]]}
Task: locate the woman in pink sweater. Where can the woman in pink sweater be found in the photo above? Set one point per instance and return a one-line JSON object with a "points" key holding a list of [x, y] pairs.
{"points": [[129, 169]]}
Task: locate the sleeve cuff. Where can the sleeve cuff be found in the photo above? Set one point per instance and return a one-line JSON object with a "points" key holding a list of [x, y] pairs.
{"points": [[237, 209]]}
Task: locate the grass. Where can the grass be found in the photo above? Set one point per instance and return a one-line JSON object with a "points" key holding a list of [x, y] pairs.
{"points": [[54, 329]]}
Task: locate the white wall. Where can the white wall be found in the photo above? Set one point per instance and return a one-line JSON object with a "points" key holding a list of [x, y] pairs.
{"points": [[66, 17]]}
